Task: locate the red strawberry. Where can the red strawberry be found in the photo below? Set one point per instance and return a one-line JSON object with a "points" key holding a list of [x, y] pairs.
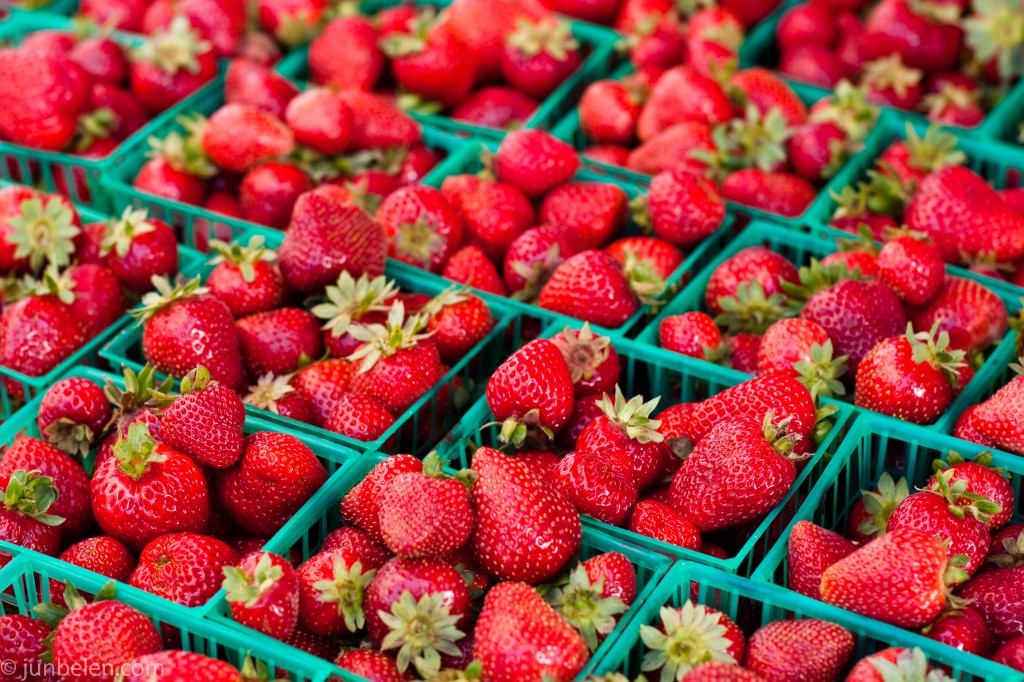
{"points": [[647, 263], [925, 40], [1011, 654], [35, 229], [767, 91], [278, 341], [72, 414], [245, 277], [483, 25], [423, 228], [495, 106], [332, 585], [351, 538], [247, 82], [471, 266], [533, 388], [539, 55], [321, 384], [138, 248], [800, 649], [101, 554], [21, 644], [869, 516], [345, 55], [589, 602], [818, 149], [974, 316], [743, 352], [618, 573], [811, 550], [662, 522], [170, 65], [205, 422], [682, 94], [222, 22], [672, 149], [954, 100], [457, 323], [377, 122], [178, 664], [688, 636], [369, 664], [806, 24], [239, 137], [359, 416], [802, 349], [580, 282], [753, 264], [598, 483], [100, 301], [359, 506], [784, 396], [609, 111], [494, 213], [24, 521], [46, 104], [963, 628], [263, 593], [997, 594], [519, 637], [978, 478], [534, 162], [994, 417], [39, 332], [588, 213], [693, 334], [431, 61], [684, 207], [593, 362], [780, 193], [912, 159], [159, 176], [320, 121], [183, 567], [293, 22], [531, 540], [125, 15], [268, 193], [965, 431], [532, 258], [890, 82]]}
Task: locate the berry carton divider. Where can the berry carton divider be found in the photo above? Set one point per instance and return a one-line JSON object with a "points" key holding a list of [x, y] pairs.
{"points": [[800, 249], [654, 372], [1001, 123], [25, 583], [601, 57], [195, 225], [430, 417], [468, 160], [568, 129], [752, 605], [189, 260], [878, 444], [333, 456], [305, 533], [81, 180]]}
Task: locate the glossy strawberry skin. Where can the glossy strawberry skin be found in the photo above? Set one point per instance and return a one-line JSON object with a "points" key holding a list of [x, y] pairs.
{"points": [[534, 162], [274, 342], [599, 484], [183, 567], [397, 381], [535, 377], [415, 214], [662, 522], [371, 554], [787, 649], [243, 298], [207, 425], [321, 384], [369, 664], [754, 398], [974, 315], [891, 382], [590, 286], [604, 434], [692, 334], [104, 633], [753, 264], [589, 213], [685, 207], [810, 551], [965, 630], [275, 610], [21, 644], [101, 554]]}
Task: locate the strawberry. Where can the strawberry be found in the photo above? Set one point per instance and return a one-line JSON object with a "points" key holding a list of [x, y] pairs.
{"points": [[377, 122], [494, 213], [863, 261], [682, 94], [806, 24], [24, 521], [589, 213], [1011, 654], [138, 247], [98, 295], [974, 316], [351, 538], [684, 207], [350, 302], [786, 397], [247, 82], [46, 105], [890, 82], [534, 162], [818, 149], [73, 414], [800, 649], [222, 22], [609, 111], [688, 636], [532, 258], [245, 278], [531, 540], [954, 99], [585, 409], [520, 637], [179, 664], [664, 523], [754, 264], [21, 644], [913, 377], [914, 158], [618, 574], [359, 416], [159, 176], [495, 106], [584, 600], [332, 585], [238, 137], [592, 360], [483, 26], [423, 228], [458, 321], [359, 506], [293, 22], [102, 555], [263, 593], [268, 193], [125, 15], [275, 477], [582, 280], [135, 492], [925, 40], [539, 55], [358, 65], [326, 238], [811, 550], [993, 418], [897, 579], [321, 384], [369, 664], [184, 327], [997, 595], [965, 431], [780, 193], [647, 263], [963, 628], [744, 350], [320, 121], [767, 91], [802, 349], [205, 422], [720, 672], [532, 388], [170, 65], [598, 483], [471, 266], [672, 149], [693, 334], [36, 229], [979, 478], [869, 516], [185, 568], [278, 341], [431, 61]]}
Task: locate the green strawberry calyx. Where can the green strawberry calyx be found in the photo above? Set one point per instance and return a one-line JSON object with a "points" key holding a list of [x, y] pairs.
{"points": [[421, 629], [961, 501], [173, 50], [633, 416], [347, 588], [910, 665], [247, 588], [52, 614], [995, 31], [98, 124], [536, 273], [384, 340], [69, 436], [244, 258], [349, 299], [816, 277], [30, 493], [649, 286], [984, 459], [821, 373], [1012, 553], [412, 42], [879, 504], [297, 29], [755, 141], [935, 150], [453, 295], [137, 451], [166, 295], [515, 430], [50, 283], [583, 350], [849, 109], [184, 150], [139, 389], [472, 673], [268, 391], [689, 636], [778, 435], [254, 670], [890, 73], [547, 35], [44, 232], [932, 347], [583, 604], [119, 237], [750, 311], [418, 240], [433, 467]]}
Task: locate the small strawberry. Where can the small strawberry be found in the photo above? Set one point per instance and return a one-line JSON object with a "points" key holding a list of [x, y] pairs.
{"points": [[321, 384], [423, 228], [533, 388], [36, 229], [245, 278], [684, 207], [247, 82], [101, 554], [138, 248], [800, 649], [965, 431], [688, 636], [534, 162], [608, 112], [263, 593], [869, 516], [268, 192], [170, 65], [73, 414], [597, 483], [278, 341], [531, 259], [359, 416], [539, 55], [185, 568], [494, 213], [24, 521], [890, 82], [22, 642], [626, 427], [356, 65], [471, 266], [592, 360], [914, 269], [979, 478], [332, 586], [810, 551], [238, 137], [694, 334], [974, 315], [585, 604], [175, 664], [755, 264], [963, 628], [682, 94], [206, 422], [458, 321], [801, 348], [320, 121], [588, 213], [580, 282], [1011, 654], [431, 61], [779, 193], [662, 522], [744, 350], [351, 538], [293, 22]]}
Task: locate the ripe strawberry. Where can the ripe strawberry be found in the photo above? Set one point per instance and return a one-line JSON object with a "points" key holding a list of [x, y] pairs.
{"points": [[693, 334], [185, 568], [369, 664], [534, 162], [138, 248], [784, 396], [869, 516], [890, 82], [532, 258], [205, 422], [357, 65], [755, 264], [320, 121], [275, 477], [24, 521], [925, 41], [818, 149], [278, 341], [539, 55], [662, 522], [263, 593], [359, 416], [767, 91], [377, 122], [897, 579], [743, 351], [811, 550], [21, 644], [423, 228], [806, 24], [581, 281], [222, 22], [802, 349], [268, 193], [863, 261], [36, 229], [332, 585], [238, 137], [484, 26], [321, 384], [471, 266], [963, 628], [47, 104], [592, 360], [519, 637], [626, 427], [73, 414], [495, 106], [159, 176], [245, 277], [688, 636], [326, 238], [682, 94], [684, 207], [979, 478], [247, 82], [359, 506], [588, 602], [125, 15], [170, 65], [953, 100], [589, 213], [533, 388], [672, 149], [1011, 654], [183, 664], [371, 554], [800, 649], [618, 574], [39, 332], [598, 483], [994, 417], [493, 213], [458, 321], [779, 193], [293, 22], [965, 431], [101, 554], [505, 539], [431, 61], [997, 594], [916, 157], [974, 316], [98, 296], [609, 111]]}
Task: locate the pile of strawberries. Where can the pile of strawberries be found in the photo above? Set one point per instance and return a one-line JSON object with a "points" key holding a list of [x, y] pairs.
{"points": [[66, 282], [904, 553], [951, 61], [888, 321], [657, 21]]}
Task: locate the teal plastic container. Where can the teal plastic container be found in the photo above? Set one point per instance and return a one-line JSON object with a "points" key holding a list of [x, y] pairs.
{"points": [[25, 582], [600, 61], [430, 417], [331, 455], [188, 261], [875, 445], [752, 605], [467, 160], [656, 372], [54, 7], [1001, 123], [800, 248], [79, 179], [306, 532]]}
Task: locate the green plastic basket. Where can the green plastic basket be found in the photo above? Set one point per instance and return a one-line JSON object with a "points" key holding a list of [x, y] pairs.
{"points": [[53, 7], [25, 582], [188, 262], [752, 605], [422, 425], [306, 532], [1002, 123], [875, 445], [600, 61], [331, 455], [656, 372], [800, 248], [467, 160], [79, 179]]}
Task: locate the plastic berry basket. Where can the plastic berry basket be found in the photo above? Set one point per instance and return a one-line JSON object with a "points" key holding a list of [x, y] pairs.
{"points": [[467, 160], [54, 7], [25, 582], [752, 605], [332, 455], [600, 60], [429, 418], [188, 262], [82, 180], [873, 446], [656, 372], [760, 49], [800, 248], [306, 532]]}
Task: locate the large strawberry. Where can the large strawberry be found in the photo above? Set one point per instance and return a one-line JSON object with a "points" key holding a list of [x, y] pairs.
{"points": [[590, 286], [278, 341], [973, 314], [205, 422], [186, 568], [811, 550], [46, 93], [534, 162], [238, 137], [245, 278], [431, 61], [72, 414], [138, 248], [332, 585], [688, 636], [22, 642], [664, 523], [533, 388], [423, 228], [183, 664], [626, 427], [101, 554], [684, 207], [800, 649], [598, 483], [356, 65], [36, 229]]}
